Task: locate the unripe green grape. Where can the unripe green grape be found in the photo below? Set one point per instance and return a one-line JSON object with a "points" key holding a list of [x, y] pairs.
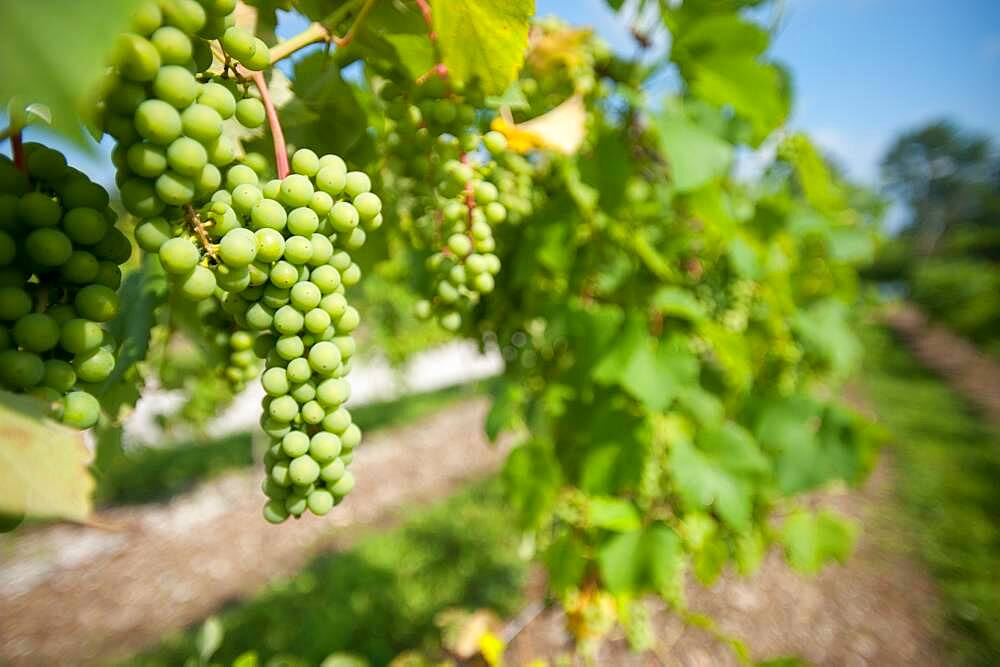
{"points": [[59, 375], [320, 502], [241, 340], [279, 473], [289, 347], [356, 239], [368, 205], [238, 43], [495, 142], [80, 410], [326, 278], [80, 192], [305, 296], [78, 336], [272, 189], [317, 321], [296, 504], [109, 275], [215, 27], [275, 512], [332, 471], [48, 247], [303, 392], [81, 268], [187, 15], [459, 244], [114, 246], [422, 309], [483, 283], [208, 180], [303, 221], [198, 284], [274, 296], [324, 357], [186, 156], [217, 97], [337, 421], [20, 370], [36, 332], [303, 470], [284, 275], [496, 212], [485, 245], [356, 183], [298, 371], [146, 17], [298, 250], [250, 112], [484, 192], [137, 58], [305, 162], [344, 217], [322, 250], [332, 393], [312, 413], [288, 321], [456, 276], [242, 358], [275, 382], [245, 196], [295, 444], [260, 59], [203, 123], [123, 100], [272, 490], [238, 247], [158, 122], [39, 210], [179, 255], [139, 198], [296, 190], [343, 486], [240, 174], [268, 213], [321, 203], [283, 409], [85, 225], [331, 179], [350, 276], [173, 45], [334, 304], [94, 366], [349, 321], [146, 159], [255, 161], [259, 317], [450, 321], [14, 303]]}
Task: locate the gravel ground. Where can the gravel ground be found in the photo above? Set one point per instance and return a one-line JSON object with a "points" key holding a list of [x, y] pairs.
{"points": [[75, 595]]}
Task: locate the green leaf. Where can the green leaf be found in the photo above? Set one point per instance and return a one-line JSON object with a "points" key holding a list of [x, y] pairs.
{"points": [[718, 471], [565, 562], [826, 332], [248, 659], [532, 478], [210, 638], [813, 540], [513, 98], [678, 302], [54, 52], [696, 155], [615, 514], [504, 412], [396, 32], [483, 39], [607, 168], [43, 465], [719, 55], [647, 560], [750, 551]]}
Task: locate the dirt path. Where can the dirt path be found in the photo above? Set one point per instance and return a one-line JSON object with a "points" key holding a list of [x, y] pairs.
{"points": [[875, 610], [970, 372], [72, 595]]}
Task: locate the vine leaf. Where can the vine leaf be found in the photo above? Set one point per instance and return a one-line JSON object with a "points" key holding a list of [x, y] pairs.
{"points": [[54, 52], [813, 540], [718, 470], [646, 560], [43, 465], [696, 155], [483, 39], [532, 477]]}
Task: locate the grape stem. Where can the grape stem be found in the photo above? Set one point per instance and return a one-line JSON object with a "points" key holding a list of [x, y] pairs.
{"points": [[317, 32], [425, 9], [198, 227], [277, 134], [17, 148]]}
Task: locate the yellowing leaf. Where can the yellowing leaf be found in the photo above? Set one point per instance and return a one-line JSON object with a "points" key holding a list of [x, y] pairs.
{"points": [[559, 48], [43, 465], [561, 130]]}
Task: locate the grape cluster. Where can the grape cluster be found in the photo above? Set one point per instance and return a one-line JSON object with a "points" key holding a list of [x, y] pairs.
{"points": [[59, 274], [448, 191], [281, 265], [166, 111]]}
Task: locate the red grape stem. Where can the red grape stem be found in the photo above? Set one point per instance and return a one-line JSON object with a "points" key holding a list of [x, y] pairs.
{"points": [[17, 147], [277, 135]]}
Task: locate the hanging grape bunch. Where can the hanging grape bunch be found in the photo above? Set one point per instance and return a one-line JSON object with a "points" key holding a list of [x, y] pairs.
{"points": [[59, 274], [447, 191]]}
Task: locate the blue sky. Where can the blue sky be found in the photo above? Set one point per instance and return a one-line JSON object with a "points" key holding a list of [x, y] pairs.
{"points": [[863, 69]]}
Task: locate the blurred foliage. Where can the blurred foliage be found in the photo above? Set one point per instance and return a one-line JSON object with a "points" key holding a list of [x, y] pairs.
{"points": [[948, 463], [382, 596]]}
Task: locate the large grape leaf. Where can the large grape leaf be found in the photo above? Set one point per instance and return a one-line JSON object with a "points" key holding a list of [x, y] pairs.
{"points": [[531, 477], [720, 57], [54, 52], [43, 465], [696, 155], [719, 471], [483, 39], [650, 559], [395, 33], [813, 540], [825, 331]]}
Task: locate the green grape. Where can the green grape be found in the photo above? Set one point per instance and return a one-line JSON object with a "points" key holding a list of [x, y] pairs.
{"points": [[186, 156], [259, 317], [146, 17], [217, 97], [295, 444], [289, 347], [94, 366], [337, 421], [351, 275], [198, 284], [48, 247], [343, 486], [356, 183], [459, 244], [496, 212], [59, 375], [78, 336], [320, 502], [80, 410], [305, 162], [173, 45], [260, 59], [317, 321], [8, 248], [312, 413], [284, 275], [303, 221], [36, 332], [296, 505], [208, 180], [20, 370], [283, 409], [368, 205], [305, 296], [296, 190], [174, 188], [303, 392], [324, 357], [250, 112], [326, 278], [245, 197], [334, 304], [14, 303], [238, 43], [332, 393], [279, 474], [240, 174], [495, 142], [298, 250], [332, 471], [187, 15], [344, 217], [139, 198], [113, 246], [275, 382], [108, 274], [331, 179], [275, 512], [288, 321], [39, 210], [268, 213], [97, 302], [158, 122], [203, 123], [298, 371], [137, 58], [238, 247], [179, 256], [81, 268], [85, 225]]}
